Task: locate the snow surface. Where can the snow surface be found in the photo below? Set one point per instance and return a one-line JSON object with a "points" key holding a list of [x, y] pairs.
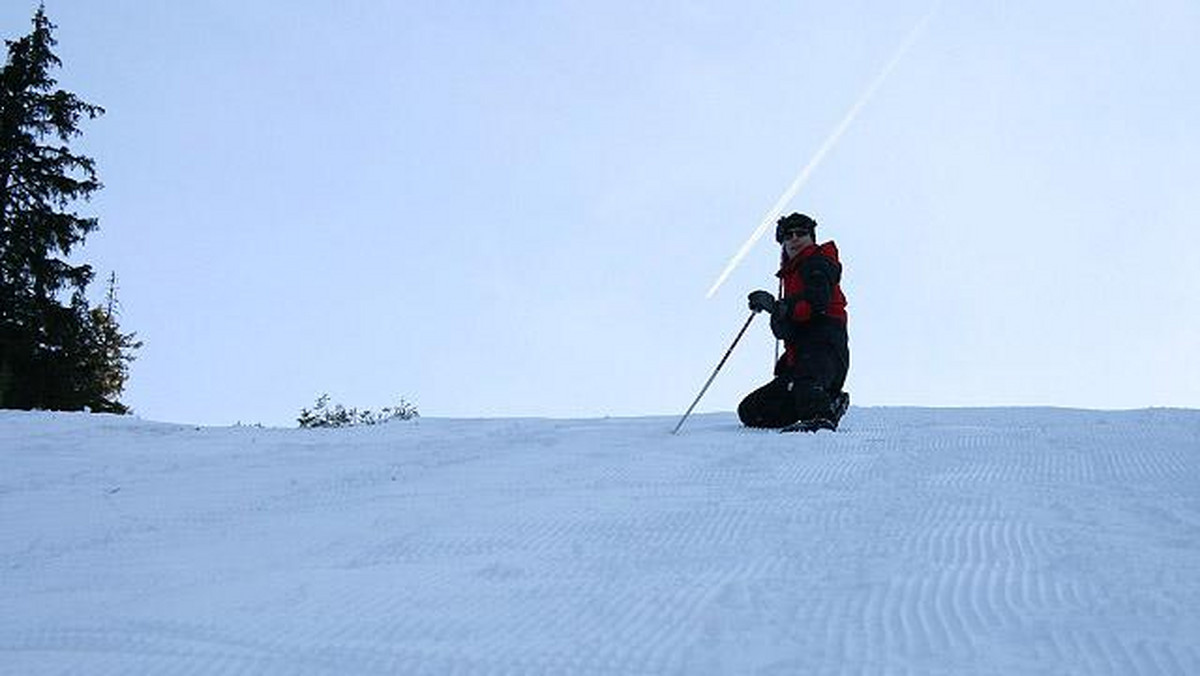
{"points": [[914, 541]]}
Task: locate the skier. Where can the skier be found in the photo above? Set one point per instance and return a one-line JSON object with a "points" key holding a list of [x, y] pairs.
{"points": [[810, 319]]}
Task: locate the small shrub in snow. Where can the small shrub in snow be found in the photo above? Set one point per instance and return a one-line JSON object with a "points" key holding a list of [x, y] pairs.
{"points": [[324, 415]]}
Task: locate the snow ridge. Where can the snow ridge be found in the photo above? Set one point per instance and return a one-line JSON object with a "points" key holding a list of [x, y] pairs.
{"points": [[913, 541]]}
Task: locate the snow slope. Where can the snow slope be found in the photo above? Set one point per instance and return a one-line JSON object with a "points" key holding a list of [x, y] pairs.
{"points": [[914, 541]]}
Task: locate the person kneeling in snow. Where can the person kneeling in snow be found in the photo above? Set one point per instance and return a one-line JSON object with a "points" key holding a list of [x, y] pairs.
{"points": [[810, 319]]}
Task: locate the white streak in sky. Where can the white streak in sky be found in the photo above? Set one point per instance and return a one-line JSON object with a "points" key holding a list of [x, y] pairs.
{"points": [[802, 178]]}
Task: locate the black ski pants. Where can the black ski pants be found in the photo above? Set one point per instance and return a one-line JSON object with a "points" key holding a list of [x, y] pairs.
{"points": [[802, 391]]}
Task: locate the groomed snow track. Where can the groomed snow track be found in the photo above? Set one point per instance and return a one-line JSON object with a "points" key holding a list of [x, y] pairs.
{"points": [[913, 541]]}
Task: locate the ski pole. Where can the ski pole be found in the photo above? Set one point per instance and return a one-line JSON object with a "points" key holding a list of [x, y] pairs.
{"points": [[777, 341], [714, 373]]}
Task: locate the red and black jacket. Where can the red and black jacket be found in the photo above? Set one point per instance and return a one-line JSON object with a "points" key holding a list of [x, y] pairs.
{"points": [[813, 310]]}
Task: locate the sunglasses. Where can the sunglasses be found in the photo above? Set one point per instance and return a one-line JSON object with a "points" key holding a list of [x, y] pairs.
{"points": [[788, 234]]}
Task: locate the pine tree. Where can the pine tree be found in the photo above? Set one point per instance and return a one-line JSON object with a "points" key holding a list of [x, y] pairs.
{"points": [[109, 352], [53, 354]]}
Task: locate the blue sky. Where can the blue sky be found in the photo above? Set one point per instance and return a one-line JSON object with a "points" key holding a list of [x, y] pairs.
{"points": [[516, 208]]}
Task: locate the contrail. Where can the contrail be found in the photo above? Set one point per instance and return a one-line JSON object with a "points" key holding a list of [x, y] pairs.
{"points": [[802, 178]]}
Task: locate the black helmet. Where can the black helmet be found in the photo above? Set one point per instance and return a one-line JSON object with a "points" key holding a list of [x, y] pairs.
{"points": [[794, 221]]}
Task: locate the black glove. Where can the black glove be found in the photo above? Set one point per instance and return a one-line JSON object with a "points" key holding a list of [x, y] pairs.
{"points": [[781, 319], [762, 301]]}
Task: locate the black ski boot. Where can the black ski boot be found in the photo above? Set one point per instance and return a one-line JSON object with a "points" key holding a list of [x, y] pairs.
{"points": [[828, 421]]}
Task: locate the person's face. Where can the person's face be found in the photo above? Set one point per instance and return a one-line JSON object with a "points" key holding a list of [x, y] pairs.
{"points": [[794, 241]]}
